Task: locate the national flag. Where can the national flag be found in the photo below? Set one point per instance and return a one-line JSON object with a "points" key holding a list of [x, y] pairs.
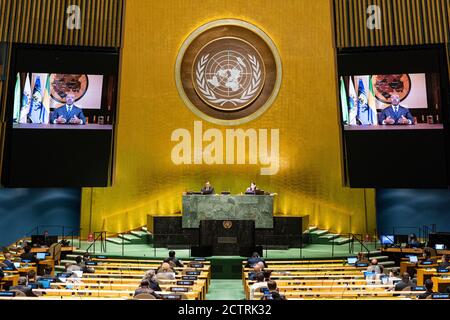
{"points": [[344, 104], [17, 100], [364, 112], [372, 104], [46, 100], [26, 101], [36, 111], [352, 103]]}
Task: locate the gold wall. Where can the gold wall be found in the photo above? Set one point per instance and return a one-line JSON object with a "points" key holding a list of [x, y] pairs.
{"points": [[306, 113]]}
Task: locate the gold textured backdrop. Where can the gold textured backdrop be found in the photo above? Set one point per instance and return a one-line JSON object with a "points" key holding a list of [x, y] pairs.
{"points": [[306, 112]]}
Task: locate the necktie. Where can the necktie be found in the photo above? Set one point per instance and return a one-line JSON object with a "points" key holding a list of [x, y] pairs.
{"points": [[69, 109]]}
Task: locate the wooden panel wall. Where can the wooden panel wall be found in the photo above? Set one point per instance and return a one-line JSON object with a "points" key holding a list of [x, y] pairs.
{"points": [[403, 22], [44, 22]]}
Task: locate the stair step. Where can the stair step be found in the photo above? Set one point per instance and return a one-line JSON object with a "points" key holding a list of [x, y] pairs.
{"points": [[117, 240], [312, 228], [129, 237], [140, 234], [329, 236], [341, 240], [319, 232], [144, 229]]}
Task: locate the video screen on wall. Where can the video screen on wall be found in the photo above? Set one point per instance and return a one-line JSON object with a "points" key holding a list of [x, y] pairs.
{"points": [[383, 100], [61, 106], [393, 110], [45, 100]]}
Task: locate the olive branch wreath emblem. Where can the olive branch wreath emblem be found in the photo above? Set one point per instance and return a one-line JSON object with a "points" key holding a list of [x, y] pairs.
{"points": [[209, 95]]}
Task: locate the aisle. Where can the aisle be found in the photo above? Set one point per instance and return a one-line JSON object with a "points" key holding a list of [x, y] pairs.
{"points": [[225, 290]]}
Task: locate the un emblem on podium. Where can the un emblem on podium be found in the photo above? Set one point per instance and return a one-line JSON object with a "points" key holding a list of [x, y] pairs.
{"points": [[228, 72], [227, 224]]}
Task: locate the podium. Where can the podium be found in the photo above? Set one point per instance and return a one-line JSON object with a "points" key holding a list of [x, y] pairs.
{"points": [[228, 237]]}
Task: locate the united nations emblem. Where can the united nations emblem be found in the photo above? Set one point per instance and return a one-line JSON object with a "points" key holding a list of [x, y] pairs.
{"points": [[228, 72], [63, 84], [227, 224], [386, 85]]}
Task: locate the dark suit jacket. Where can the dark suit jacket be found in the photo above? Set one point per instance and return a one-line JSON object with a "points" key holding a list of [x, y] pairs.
{"points": [[1, 273], [28, 256], [402, 111], [207, 191], [252, 261], [402, 285], [27, 290], [9, 264], [444, 265], [174, 260], [425, 294], [62, 111]]}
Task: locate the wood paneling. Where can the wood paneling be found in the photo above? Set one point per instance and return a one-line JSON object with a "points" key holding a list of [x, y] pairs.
{"points": [[44, 22], [403, 22]]}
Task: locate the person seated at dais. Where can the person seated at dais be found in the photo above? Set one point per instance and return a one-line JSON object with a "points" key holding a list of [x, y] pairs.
{"points": [[252, 188], [207, 189]]}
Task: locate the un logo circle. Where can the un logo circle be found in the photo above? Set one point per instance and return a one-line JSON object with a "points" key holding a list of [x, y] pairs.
{"points": [[228, 72]]}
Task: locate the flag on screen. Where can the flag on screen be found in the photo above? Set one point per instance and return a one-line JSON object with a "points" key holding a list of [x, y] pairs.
{"points": [[46, 100], [352, 104], [344, 104], [17, 100], [364, 112], [36, 113], [26, 101], [372, 104]]}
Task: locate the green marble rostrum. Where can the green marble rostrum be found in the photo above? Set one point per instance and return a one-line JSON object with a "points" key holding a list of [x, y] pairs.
{"points": [[228, 207]]}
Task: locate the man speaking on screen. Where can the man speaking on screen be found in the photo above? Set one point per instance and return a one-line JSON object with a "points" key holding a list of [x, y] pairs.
{"points": [[68, 113], [395, 113]]}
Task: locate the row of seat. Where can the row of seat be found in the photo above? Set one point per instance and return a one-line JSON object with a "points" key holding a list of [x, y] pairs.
{"points": [[323, 280]]}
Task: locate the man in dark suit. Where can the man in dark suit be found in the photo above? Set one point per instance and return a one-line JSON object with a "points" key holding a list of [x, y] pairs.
{"points": [[7, 262], [404, 283], [22, 286], [172, 258], [254, 259], [444, 264], [207, 189], [69, 113], [27, 255], [429, 290], [396, 114]]}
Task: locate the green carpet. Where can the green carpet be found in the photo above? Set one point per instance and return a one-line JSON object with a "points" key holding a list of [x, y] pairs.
{"points": [[223, 267], [225, 290], [312, 251]]}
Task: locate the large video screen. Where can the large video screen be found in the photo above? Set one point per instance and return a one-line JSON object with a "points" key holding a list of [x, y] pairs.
{"points": [[393, 109], [45, 100], [383, 100], [61, 106]]}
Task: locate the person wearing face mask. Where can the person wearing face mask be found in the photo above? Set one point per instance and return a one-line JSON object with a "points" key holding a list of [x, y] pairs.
{"points": [[68, 113], [396, 114]]}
